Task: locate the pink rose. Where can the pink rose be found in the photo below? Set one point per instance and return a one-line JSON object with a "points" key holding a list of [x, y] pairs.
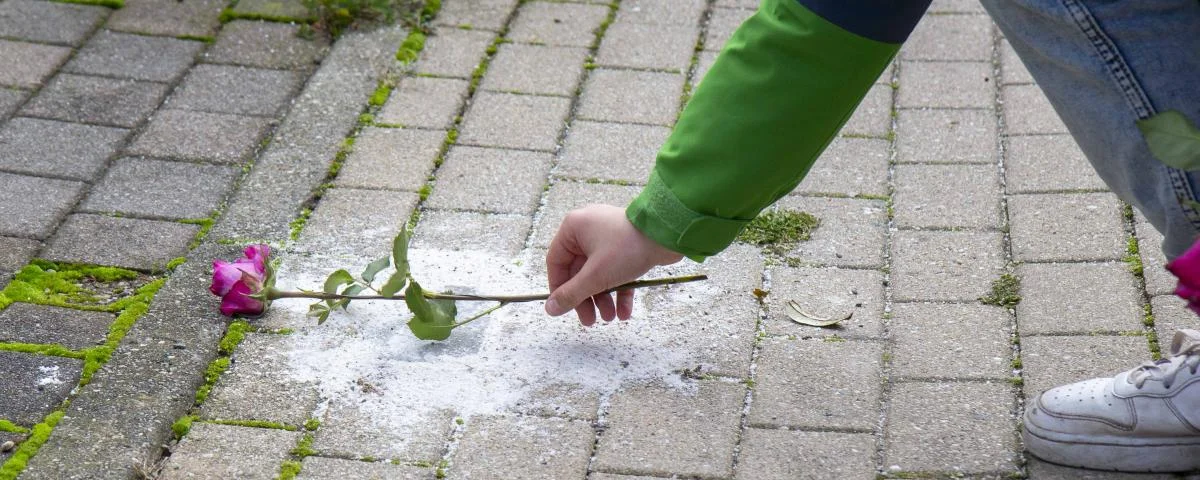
{"points": [[235, 281], [1187, 268]]}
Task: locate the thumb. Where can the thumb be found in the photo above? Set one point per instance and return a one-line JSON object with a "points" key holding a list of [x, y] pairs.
{"points": [[579, 288]]}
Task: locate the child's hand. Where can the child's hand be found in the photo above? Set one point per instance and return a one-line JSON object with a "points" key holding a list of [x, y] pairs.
{"points": [[595, 249]]}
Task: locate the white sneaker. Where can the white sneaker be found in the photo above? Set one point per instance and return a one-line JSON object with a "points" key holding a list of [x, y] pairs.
{"points": [[1143, 420]]}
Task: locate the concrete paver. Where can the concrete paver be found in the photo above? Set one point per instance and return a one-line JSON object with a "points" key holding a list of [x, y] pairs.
{"points": [[123, 242], [661, 12], [1048, 163], [320, 468], [554, 23], [952, 427], [10, 99], [784, 454], [817, 383], [266, 45], [16, 252], [138, 57], [503, 234], [34, 385], [475, 14], [610, 151], [974, 202], [514, 121], [1066, 227], [74, 329], [258, 386], [214, 451], [239, 90], [453, 52], [721, 25], [424, 102], [945, 265], [28, 65], [950, 37], [272, 8], [535, 69], [1052, 361], [49, 22], [851, 234], [946, 85], [940, 340], [203, 136], [32, 206], [491, 180], [1027, 110], [391, 158], [849, 166], [627, 45], [57, 149], [938, 135], [97, 100], [1078, 298], [631, 96], [827, 293], [154, 188], [336, 226], [524, 447], [198, 18]]}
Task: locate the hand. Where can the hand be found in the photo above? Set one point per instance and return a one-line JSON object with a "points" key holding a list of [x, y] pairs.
{"points": [[595, 249]]}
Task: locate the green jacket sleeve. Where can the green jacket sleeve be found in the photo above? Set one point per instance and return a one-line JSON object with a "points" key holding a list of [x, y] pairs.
{"points": [[783, 86]]}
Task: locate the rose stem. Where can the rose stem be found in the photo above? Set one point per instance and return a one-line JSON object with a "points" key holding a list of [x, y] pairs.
{"points": [[654, 282]]}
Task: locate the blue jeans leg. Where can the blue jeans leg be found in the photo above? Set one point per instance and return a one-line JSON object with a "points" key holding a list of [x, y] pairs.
{"points": [[1105, 64]]}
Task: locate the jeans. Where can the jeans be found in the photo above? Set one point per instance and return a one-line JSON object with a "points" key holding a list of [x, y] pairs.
{"points": [[1105, 64]]}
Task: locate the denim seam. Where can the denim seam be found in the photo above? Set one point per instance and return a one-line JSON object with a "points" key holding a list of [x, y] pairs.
{"points": [[1134, 95]]}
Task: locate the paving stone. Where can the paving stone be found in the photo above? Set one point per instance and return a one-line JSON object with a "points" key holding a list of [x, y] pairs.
{"points": [[16, 252], [74, 329], [97, 100], [309, 138], [498, 233], [956, 6], [211, 451], [950, 37], [27, 65], [1048, 163], [826, 293], [1048, 471], [1012, 69], [945, 266], [794, 455], [610, 476], [946, 340], [265, 44], [34, 385], [453, 52], [952, 427], [523, 447], [816, 383], [1078, 298], [873, 117], [661, 12], [947, 196], [849, 166], [722, 22], [491, 180], [31, 207], [535, 69], [611, 151], [424, 102], [946, 85], [233, 89], [113, 54], [120, 242], [197, 18], [259, 385], [45, 147], [631, 96], [481, 14], [391, 158], [336, 226], [1027, 110], [852, 231], [322, 468], [946, 136], [204, 136], [1159, 281], [737, 3], [703, 426], [349, 432], [49, 22], [1170, 315], [566, 196], [514, 121], [10, 99], [554, 23], [704, 62], [561, 400], [1066, 227], [1048, 362], [293, 9], [632, 45], [154, 188]]}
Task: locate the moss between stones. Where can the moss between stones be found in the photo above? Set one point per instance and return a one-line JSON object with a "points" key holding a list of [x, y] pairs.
{"points": [[255, 424], [312, 424], [205, 224], [113, 4], [779, 227], [234, 334], [289, 469], [16, 464], [229, 15], [59, 284], [380, 96], [211, 374], [304, 447], [1006, 292], [182, 426], [7, 426], [411, 47]]}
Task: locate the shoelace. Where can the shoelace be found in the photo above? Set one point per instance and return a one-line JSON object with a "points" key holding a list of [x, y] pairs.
{"points": [[1185, 353]]}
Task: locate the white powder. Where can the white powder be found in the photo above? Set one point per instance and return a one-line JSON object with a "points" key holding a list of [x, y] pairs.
{"points": [[49, 376], [484, 367]]}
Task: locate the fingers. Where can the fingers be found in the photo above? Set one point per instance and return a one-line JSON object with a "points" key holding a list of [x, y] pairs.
{"points": [[604, 303], [624, 304], [586, 310]]}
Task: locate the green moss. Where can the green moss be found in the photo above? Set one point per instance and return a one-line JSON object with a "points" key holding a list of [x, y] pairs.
{"points": [[113, 4], [411, 47], [197, 38], [779, 227], [366, 119], [289, 469], [39, 349], [175, 263], [1018, 381], [1006, 292], [312, 424], [424, 192], [297, 225], [7, 426], [304, 447], [61, 284], [1133, 258], [211, 374], [381, 95], [833, 339], [205, 224], [431, 8], [182, 426], [229, 15], [1016, 364], [255, 424], [234, 335], [16, 463]]}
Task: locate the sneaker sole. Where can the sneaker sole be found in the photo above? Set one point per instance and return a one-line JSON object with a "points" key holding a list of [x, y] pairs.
{"points": [[1164, 455]]}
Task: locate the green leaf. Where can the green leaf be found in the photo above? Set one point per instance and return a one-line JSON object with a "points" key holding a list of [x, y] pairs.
{"points": [[1173, 139], [350, 290], [337, 279], [394, 284], [316, 309], [400, 252], [374, 268], [432, 319]]}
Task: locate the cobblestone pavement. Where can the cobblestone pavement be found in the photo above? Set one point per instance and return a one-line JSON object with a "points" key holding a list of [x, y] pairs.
{"points": [[160, 135]]}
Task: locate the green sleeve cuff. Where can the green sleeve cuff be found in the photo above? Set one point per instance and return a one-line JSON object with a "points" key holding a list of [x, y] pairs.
{"points": [[660, 215]]}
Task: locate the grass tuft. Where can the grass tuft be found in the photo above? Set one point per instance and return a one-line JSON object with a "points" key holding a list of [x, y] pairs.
{"points": [[1006, 292], [779, 227]]}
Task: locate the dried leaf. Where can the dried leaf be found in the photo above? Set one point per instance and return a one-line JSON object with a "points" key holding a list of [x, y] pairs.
{"points": [[760, 293], [797, 315]]}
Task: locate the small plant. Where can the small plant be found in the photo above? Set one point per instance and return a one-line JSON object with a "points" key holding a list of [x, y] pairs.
{"points": [[336, 16], [1006, 292], [780, 227]]}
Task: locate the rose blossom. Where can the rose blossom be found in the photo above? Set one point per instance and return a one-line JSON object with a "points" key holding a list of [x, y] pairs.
{"points": [[235, 281]]}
